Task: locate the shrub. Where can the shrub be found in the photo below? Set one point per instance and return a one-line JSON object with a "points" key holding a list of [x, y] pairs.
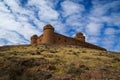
{"points": [[100, 54], [51, 67], [84, 51], [73, 70], [75, 53], [77, 69], [38, 53], [39, 75], [117, 59], [15, 71], [53, 51]]}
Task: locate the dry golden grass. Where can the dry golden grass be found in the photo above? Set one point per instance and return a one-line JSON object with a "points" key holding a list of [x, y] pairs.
{"points": [[53, 62]]}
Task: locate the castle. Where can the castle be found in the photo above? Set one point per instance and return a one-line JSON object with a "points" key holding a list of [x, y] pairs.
{"points": [[51, 37]]}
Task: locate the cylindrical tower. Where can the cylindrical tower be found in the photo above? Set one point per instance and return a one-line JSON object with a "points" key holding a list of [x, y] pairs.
{"points": [[34, 39], [48, 34], [79, 36]]}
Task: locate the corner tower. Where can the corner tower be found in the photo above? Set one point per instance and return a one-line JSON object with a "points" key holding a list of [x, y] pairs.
{"points": [[34, 39], [79, 36], [48, 34]]}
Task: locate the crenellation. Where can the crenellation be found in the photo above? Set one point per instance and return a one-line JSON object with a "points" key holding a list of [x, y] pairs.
{"points": [[51, 37]]}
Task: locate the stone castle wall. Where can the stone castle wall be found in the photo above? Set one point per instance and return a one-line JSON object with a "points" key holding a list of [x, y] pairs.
{"points": [[50, 37]]}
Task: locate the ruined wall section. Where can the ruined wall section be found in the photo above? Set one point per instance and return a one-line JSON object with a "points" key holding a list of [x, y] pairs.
{"points": [[39, 40], [92, 46], [64, 40]]}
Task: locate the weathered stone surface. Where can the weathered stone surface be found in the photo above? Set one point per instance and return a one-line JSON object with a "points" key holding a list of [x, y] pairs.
{"points": [[50, 37]]}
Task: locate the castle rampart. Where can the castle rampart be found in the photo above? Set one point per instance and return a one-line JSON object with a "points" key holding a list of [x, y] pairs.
{"points": [[50, 37]]}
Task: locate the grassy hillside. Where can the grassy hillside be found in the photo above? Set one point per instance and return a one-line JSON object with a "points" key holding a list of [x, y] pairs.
{"points": [[45, 62]]}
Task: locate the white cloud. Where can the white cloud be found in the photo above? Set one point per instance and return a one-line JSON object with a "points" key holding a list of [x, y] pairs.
{"points": [[117, 48], [108, 41], [104, 15], [3, 8], [93, 39], [101, 7], [77, 22], [94, 28], [8, 22], [4, 41], [46, 12], [104, 11], [73, 20], [16, 24], [14, 7], [59, 27], [110, 31], [12, 37], [70, 8]]}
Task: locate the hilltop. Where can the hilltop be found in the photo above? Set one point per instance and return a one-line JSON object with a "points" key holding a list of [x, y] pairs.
{"points": [[53, 62]]}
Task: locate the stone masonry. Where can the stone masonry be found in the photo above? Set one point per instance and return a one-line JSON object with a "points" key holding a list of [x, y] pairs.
{"points": [[51, 37]]}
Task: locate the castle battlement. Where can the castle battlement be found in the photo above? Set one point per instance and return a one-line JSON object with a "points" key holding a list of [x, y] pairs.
{"points": [[51, 37]]}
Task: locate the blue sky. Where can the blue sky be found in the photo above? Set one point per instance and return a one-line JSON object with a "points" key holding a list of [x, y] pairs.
{"points": [[99, 20]]}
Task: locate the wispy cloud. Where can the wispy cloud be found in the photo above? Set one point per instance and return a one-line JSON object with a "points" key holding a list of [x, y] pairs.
{"points": [[71, 8], [94, 28]]}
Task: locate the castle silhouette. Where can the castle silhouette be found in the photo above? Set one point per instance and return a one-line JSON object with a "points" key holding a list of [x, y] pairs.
{"points": [[51, 37]]}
